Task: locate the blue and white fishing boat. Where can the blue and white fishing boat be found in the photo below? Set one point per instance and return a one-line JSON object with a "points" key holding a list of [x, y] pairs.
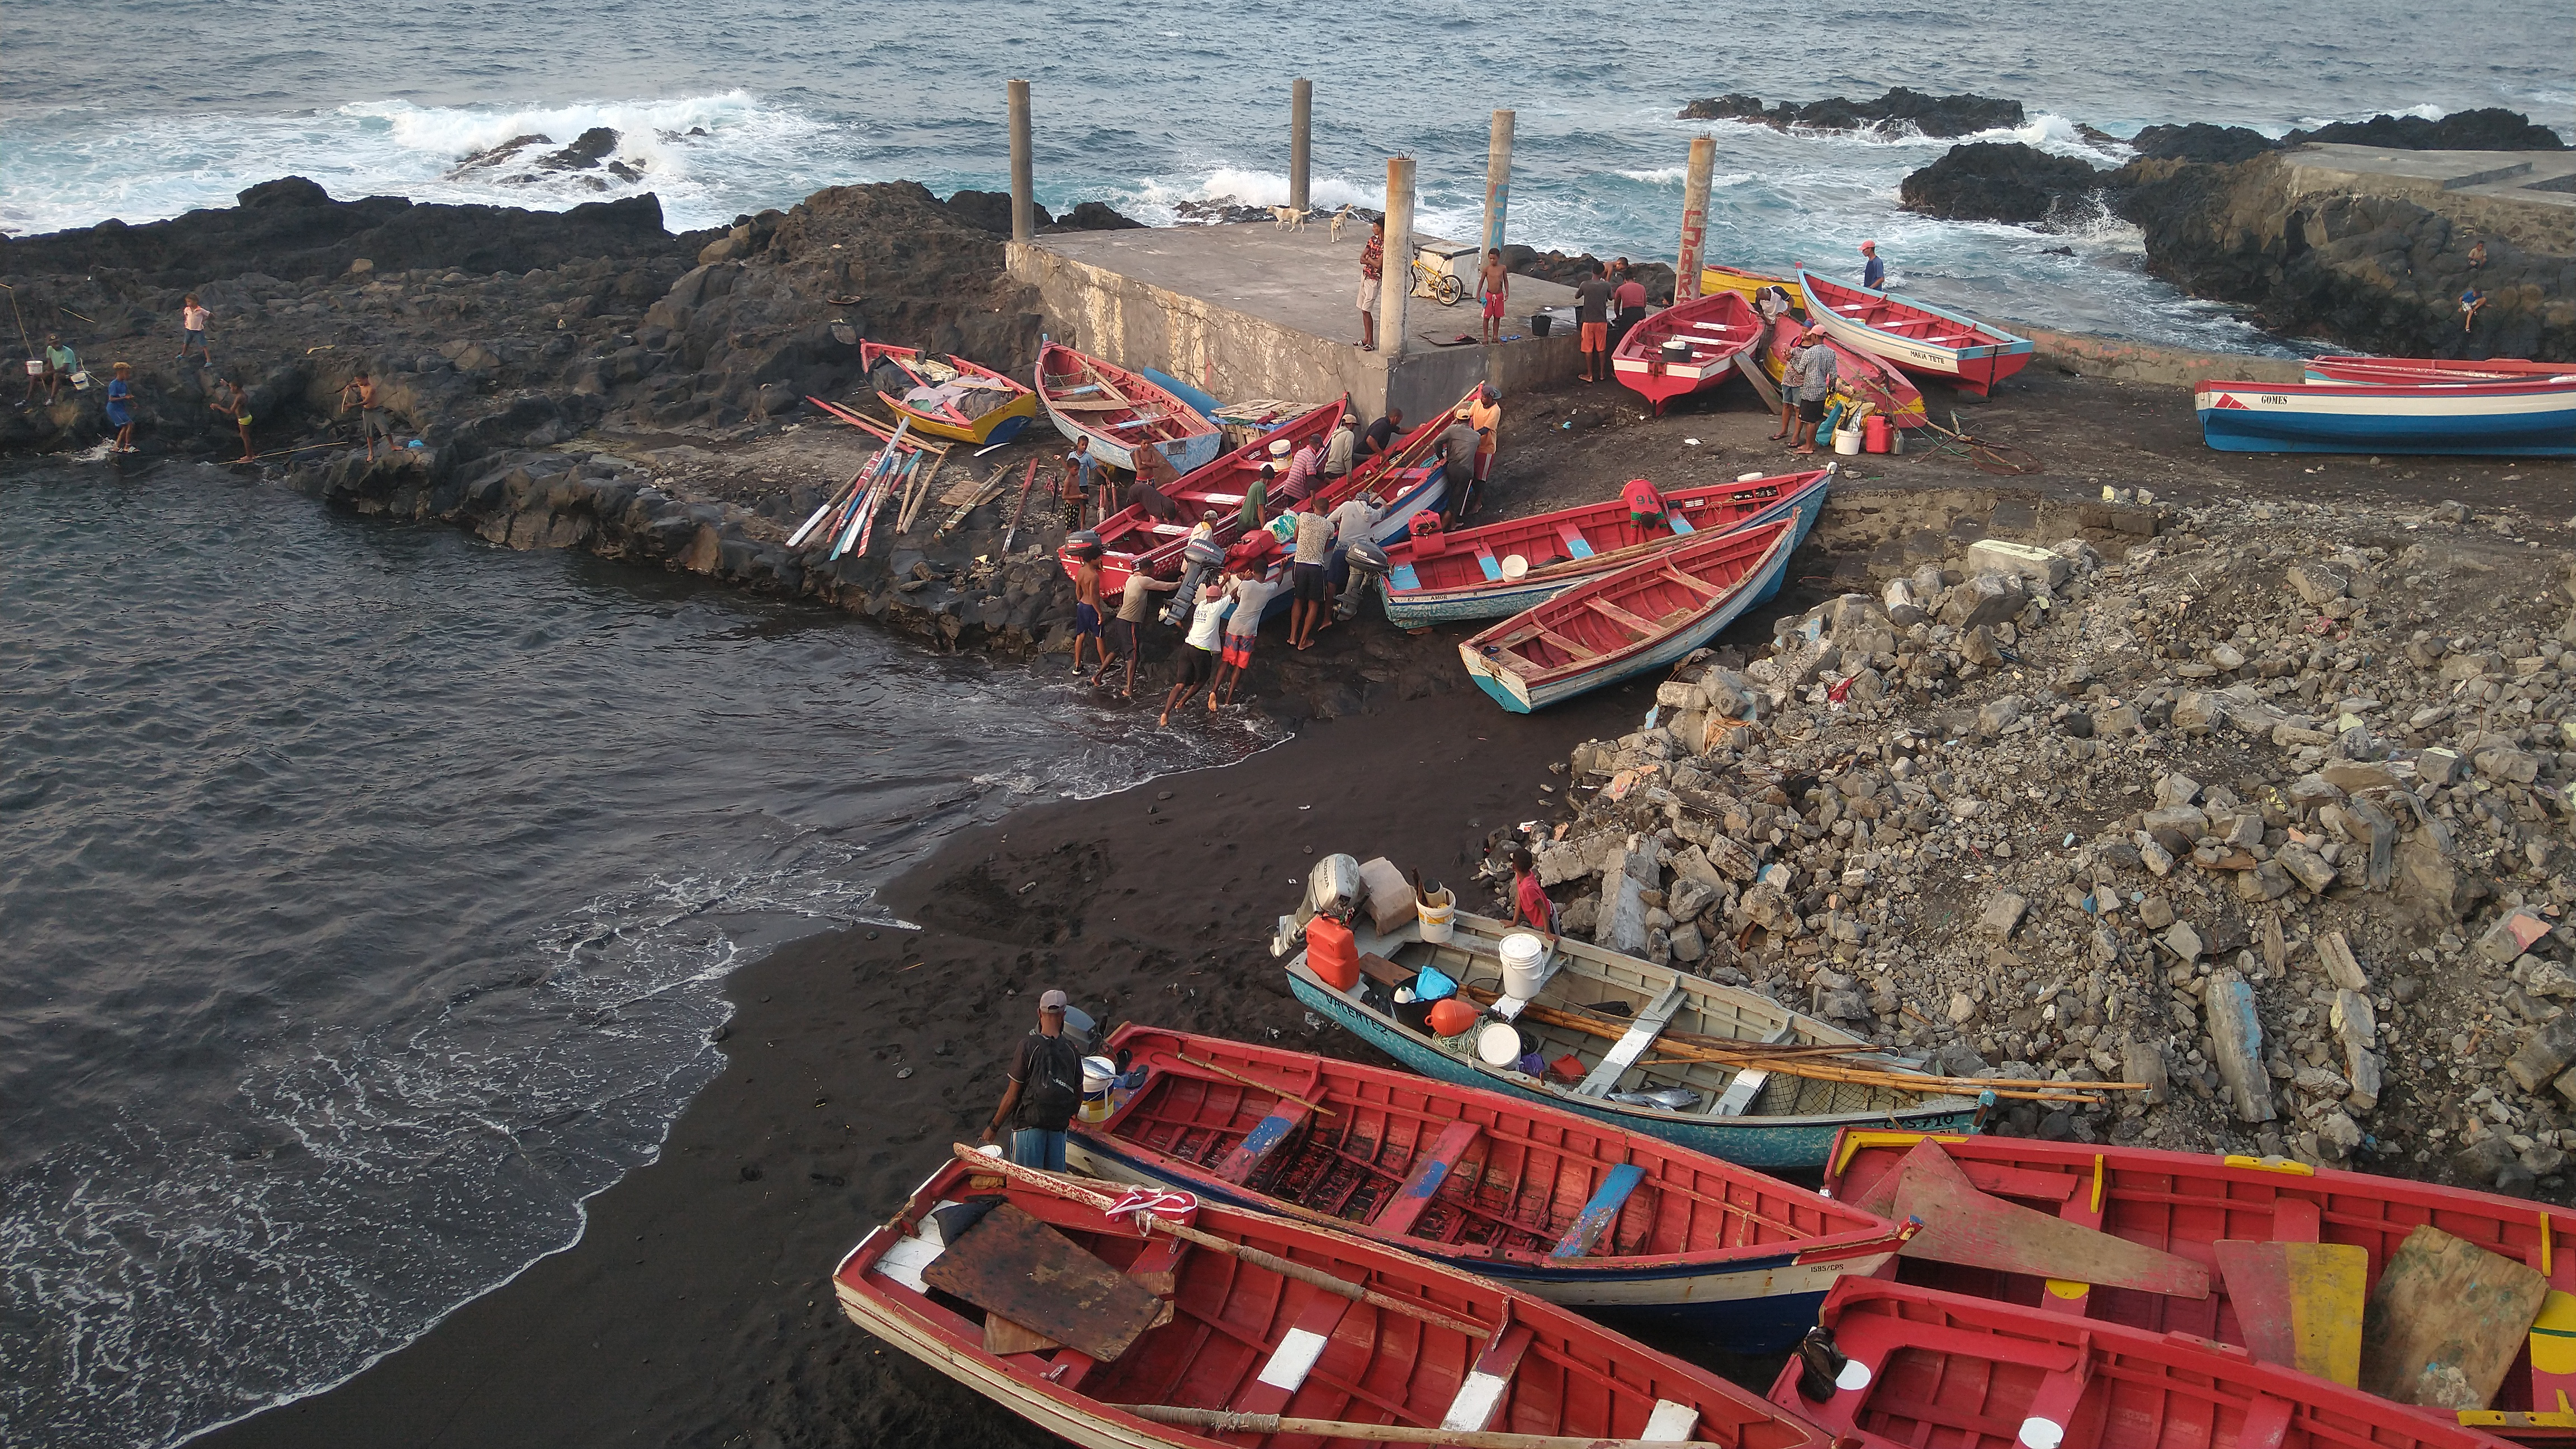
{"points": [[1500, 569], [1647, 616], [1608, 1012], [1618, 1224], [2534, 418]]}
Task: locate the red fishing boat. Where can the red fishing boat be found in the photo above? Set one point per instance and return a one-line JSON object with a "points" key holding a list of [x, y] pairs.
{"points": [[2433, 369], [1915, 335], [1870, 379], [2195, 1207], [1912, 1368], [1132, 538], [1646, 616], [1499, 569], [1686, 348], [1118, 412], [1576, 1211], [1148, 1320]]}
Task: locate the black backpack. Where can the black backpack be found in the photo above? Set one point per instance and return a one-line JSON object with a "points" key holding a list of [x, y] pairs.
{"points": [[1054, 1089]]}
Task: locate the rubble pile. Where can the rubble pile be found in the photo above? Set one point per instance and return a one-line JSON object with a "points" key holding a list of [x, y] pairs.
{"points": [[2267, 812]]}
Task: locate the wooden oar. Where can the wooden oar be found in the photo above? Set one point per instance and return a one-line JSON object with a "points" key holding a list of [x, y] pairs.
{"points": [[1261, 1086], [1013, 530], [1227, 1421], [1316, 1277], [2005, 1087], [838, 495]]}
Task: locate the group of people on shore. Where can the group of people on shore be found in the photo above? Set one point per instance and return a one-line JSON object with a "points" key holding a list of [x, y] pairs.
{"points": [[1289, 538]]}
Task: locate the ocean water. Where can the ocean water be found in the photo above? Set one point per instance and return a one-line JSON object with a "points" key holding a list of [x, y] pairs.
{"points": [[121, 108], [368, 893]]}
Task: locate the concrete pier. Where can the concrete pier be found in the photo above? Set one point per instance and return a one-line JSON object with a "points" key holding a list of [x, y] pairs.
{"points": [[2525, 197], [1703, 160], [1023, 185], [1498, 182], [1249, 311], [1301, 130], [1395, 287]]}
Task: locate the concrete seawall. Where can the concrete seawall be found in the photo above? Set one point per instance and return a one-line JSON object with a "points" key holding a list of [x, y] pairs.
{"points": [[2120, 360]]}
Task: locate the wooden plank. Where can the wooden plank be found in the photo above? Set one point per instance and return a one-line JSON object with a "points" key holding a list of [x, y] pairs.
{"points": [[2300, 1303], [2446, 1322], [1761, 381], [1422, 1184], [2266, 1423], [1488, 1382], [1263, 1140], [1015, 1266], [1577, 649], [1002, 1336], [1620, 616], [1600, 1212], [1292, 1358], [2296, 1220], [1642, 1031], [1700, 586], [1965, 1226]]}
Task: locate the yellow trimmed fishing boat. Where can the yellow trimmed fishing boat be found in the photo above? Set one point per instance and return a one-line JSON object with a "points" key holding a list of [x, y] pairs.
{"points": [[950, 398]]}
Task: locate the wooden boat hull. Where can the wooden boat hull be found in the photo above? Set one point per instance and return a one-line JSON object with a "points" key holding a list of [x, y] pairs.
{"points": [[1239, 1335], [1531, 1173], [1916, 336], [1933, 1368], [998, 426], [1131, 539], [2512, 419], [1523, 691], [1767, 1141], [1193, 441], [1746, 283], [1865, 377], [1718, 330], [2182, 1203], [2433, 369], [1410, 605]]}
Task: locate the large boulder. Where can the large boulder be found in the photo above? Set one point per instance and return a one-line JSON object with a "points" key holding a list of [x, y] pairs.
{"points": [[1998, 181], [1929, 115], [2492, 128], [2201, 141], [991, 210]]}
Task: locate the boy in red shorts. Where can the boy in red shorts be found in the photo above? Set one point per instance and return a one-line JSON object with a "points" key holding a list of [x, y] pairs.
{"points": [[1491, 285]]}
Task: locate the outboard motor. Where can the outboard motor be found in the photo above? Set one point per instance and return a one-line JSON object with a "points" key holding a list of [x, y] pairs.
{"points": [[1368, 564], [1200, 555], [1083, 545]]}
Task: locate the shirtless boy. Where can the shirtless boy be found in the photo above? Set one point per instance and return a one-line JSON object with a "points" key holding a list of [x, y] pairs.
{"points": [[373, 420], [1492, 284], [1086, 614]]}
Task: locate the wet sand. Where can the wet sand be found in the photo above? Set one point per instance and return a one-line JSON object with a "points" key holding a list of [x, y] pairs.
{"points": [[696, 1308]]}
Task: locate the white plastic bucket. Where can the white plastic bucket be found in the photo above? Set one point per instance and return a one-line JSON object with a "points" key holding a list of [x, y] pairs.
{"points": [[1847, 441], [1439, 913], [1498, 1044], [1098, 1073], [1524, 955]]}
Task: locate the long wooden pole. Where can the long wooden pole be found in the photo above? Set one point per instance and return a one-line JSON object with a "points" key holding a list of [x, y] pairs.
{"points": [[1262, 1086], [2006, 1087], [1227, 1421], [1012, 531], [1339, 1287]]}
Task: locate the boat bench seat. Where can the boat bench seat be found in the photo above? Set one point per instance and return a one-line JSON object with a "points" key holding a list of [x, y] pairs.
{"points": [[1263, 1141], [1594, 1222], [1480, 1394], [1422, 1184]]}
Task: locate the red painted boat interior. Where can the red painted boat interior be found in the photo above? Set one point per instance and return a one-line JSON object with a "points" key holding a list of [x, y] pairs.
{"points": [[2182, 1203], [1131, 533], [1956, 1373], [1717, 329], [1604, 528], [1595, 622], [1516, 1181], [1220, 1347], [2438, 369], [1110, 400], [1873, 380]]}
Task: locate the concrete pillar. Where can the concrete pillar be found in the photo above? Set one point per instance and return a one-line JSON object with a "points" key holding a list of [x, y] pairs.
{"points": [[1703, 159], [1301, 146], [1024, 225], [1397, 285], [1498, 184]]}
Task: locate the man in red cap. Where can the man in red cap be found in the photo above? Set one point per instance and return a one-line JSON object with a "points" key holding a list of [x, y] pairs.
{"points": [[1045, 1090], [1873, 272]]}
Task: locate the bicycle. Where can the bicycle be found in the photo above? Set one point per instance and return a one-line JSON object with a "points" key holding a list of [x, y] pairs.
{"points": [[1437, 284]]}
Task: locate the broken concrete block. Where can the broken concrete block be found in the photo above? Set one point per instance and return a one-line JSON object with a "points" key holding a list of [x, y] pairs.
{"points": [[2237, 1033], [2155, 913], [2183, 941], [2334, 953], [1686, 944], [2438, 767], [1678, 694], [2267, 881], [1987, 599], [2177, 788], [2566, 1085], [2512, 935], [1998, 715], [1766, 906], [2176, 827], [2543, 1054], [1689, 896], [2501, 763], [2144, 1061], [2119, 719], [1903, 610], [2313, 790], [1621, 925], [2153, 855], [1978, 648], [2003, 912], [2356, 1029], [2032, 565], [1564, 860], [2543, 977], [2316, 581], [2430, 882], [2307, 866], [2194, 710]]}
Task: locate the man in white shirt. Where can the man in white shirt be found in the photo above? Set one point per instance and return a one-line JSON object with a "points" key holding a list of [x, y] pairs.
{"points": [[1308, 576], [1337, 454], [1252, 589], [1196, 660]]}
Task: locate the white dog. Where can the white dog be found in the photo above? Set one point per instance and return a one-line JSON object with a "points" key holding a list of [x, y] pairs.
{"points": [[1340, 217], [1287, 218]]}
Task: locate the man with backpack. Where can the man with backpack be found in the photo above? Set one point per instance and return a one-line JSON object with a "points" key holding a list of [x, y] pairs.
{"points": [[1045, 1090]]}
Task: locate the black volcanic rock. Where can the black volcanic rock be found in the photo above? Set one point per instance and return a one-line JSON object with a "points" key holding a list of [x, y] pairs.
{"points": [[586, 151], [1095, 216], [1960, 115], [2201, 141], [991, 210], [2490, 129], [284, 191], [1997, 181]]}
